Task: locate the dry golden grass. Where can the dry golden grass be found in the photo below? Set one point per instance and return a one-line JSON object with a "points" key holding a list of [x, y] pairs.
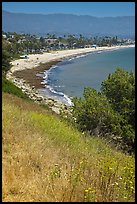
{"points": [[44, 159]]}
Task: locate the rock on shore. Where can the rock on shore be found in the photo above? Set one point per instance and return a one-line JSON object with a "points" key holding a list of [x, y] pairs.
{"points": [[35, 96]]}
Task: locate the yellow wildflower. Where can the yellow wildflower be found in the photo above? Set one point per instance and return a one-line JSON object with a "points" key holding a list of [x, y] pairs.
{"points": [[116, 183], [110, 168]]}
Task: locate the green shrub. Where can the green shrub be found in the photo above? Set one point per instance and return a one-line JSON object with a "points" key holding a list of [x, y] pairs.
{"points": [[119, 88], [94, 114], [9, 87], [111, 112], [5, 61]]}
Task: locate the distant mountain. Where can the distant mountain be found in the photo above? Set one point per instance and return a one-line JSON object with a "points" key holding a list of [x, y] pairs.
{"points": [[67, 23]]}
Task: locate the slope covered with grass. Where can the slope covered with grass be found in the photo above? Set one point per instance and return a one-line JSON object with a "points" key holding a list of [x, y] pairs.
{"points": [[45, 159], [9, 87]]}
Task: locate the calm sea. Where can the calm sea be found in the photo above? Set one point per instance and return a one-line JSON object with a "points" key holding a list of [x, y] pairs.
{"points": [[69, 77]]}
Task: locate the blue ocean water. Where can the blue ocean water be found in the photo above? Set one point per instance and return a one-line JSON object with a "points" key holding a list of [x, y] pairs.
{"points": [[69, 77]]}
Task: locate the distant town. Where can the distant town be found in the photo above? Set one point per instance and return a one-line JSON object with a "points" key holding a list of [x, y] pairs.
{"points": [[17, 44]]}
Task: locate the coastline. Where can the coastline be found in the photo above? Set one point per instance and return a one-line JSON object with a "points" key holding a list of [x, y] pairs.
{"points": [[36, 59], [27, 73], [31, 69]]}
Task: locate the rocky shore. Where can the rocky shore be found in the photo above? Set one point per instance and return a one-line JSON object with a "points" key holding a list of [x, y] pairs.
{"points": [[34, 95]]}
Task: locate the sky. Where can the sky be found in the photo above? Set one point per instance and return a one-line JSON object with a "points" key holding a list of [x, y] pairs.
{"points": [[98, 9]]}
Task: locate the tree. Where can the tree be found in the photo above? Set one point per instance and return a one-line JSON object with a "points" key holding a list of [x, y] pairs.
{"points": [[111, 112], [5, 61], [94, 114], [71, 40], [6, 49], [42, 40], [119, 88], [81, 41]]}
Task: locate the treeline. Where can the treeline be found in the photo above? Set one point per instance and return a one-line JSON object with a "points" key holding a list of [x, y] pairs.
{"points": [[111, 112], [14, 44], [27, 43], [31, 43]]}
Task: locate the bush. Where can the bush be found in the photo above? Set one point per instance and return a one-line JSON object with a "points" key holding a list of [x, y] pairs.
{"points": [[9, 87], [119, 88], [110, 112], [94, 114], [5, 61]]}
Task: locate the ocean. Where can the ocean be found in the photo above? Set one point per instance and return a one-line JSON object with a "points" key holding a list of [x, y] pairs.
{"points": [[69, 77]]}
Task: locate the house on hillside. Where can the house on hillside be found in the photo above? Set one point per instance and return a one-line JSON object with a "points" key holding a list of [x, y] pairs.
{"points": [[51, 40]]}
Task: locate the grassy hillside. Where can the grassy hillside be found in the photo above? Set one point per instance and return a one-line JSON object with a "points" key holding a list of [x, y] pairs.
{"points": [[9, 87], [45, 159]]}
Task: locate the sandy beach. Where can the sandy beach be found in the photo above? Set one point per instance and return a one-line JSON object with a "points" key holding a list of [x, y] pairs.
{"points": [[35, 60]]}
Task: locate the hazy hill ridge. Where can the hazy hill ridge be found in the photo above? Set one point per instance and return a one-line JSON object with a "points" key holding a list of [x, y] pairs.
{"points": [[67, 23]]}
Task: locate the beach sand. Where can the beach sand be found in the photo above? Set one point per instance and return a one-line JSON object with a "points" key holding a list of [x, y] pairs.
{"points": [[27, 69]]}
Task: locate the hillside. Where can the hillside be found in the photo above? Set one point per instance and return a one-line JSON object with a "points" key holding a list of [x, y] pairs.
{"points": [[45, 159], [67, 23]]}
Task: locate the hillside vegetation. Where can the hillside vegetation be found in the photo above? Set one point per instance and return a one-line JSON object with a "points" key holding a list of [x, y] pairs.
{"points": [[45, 159], [9, 87], [111, 112]]}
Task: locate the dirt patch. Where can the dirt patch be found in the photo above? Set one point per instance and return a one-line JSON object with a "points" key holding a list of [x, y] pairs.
{"points": [[29, 75]]}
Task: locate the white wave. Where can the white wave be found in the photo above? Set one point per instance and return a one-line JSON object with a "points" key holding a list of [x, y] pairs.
{"points": [[55, 92], [53, 67], [47, 72], [78, 56], [59, 86], [45, 75], [82, 55], [43, 82], [68, 100], [60, 96]]}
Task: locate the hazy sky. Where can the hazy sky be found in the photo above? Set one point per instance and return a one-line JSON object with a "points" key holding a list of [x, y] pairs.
{"points": [[99, 9]]}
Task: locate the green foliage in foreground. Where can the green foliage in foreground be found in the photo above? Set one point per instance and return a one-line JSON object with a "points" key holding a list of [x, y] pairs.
{"points": [[95, 114], [9, 87], [110, 113]]}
